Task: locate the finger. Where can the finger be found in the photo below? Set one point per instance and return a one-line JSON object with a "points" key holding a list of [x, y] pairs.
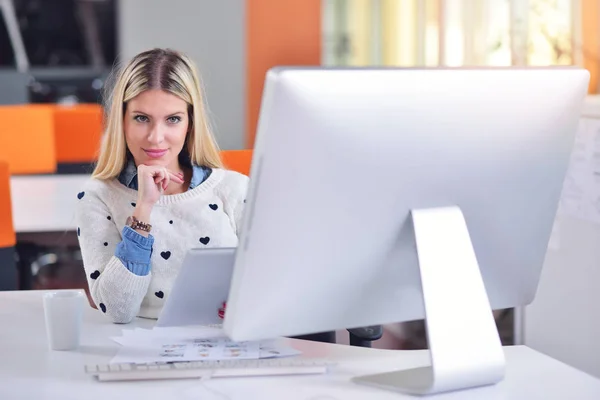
{"points": [[158, 173], [159, 183], [166, 178], [144, 170], [176, 177], [162, 177], [158, 176]]}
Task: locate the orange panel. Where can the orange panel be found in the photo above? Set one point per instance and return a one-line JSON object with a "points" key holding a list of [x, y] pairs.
{"points": [[278, 32], [237, 160], [590, 18], [77, 130], [27, 139], [7, 232]]}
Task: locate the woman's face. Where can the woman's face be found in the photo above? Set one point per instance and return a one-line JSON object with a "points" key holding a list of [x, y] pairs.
{"points": [[156, 124]]}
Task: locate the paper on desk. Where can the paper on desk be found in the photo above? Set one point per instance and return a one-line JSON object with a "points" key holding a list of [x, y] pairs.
{"points": [[141, 335], [143, 346], [273, 349], [188, 350]]}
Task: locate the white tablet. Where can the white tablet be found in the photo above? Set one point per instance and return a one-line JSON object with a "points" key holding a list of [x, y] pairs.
{"points": [[200, 289]]}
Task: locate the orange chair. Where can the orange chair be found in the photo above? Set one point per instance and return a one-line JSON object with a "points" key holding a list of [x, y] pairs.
{"points": [[237, 160], [8, 269], [27, 139], [77, 130]]}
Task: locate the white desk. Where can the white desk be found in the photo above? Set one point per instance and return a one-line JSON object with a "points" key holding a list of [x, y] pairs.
{"points": [[29, 371], [45, 203]]}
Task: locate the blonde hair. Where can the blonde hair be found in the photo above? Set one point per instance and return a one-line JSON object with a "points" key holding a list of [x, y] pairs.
{"points": [[166, 70]]}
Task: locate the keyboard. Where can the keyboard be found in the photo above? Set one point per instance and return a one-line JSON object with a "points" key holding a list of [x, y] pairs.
{"points": [[208, 369]]}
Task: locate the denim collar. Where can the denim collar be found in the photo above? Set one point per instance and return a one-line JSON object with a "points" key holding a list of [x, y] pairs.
{"points": [[128, 175]]}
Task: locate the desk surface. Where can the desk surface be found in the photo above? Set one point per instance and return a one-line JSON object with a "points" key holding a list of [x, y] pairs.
{"points": [[45, 203], [30, 371]]}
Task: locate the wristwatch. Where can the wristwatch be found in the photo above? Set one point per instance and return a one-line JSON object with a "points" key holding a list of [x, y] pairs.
{"points": [[135, 223]]}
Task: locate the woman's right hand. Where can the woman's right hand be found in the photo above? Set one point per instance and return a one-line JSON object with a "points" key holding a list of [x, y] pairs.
{"points": [[221, 312], [152, 182]]}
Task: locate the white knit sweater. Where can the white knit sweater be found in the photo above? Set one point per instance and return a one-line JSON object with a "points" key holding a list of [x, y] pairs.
{"points": [[213, 209]]}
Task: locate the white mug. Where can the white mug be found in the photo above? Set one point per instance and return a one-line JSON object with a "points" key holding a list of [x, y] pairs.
{"points": [[63, 311]]}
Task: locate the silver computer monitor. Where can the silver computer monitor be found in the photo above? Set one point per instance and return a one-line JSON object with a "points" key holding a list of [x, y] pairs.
{"points": [[388, 195]]}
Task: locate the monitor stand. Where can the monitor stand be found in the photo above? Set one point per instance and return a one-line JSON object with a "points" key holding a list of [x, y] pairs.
{"points": [[465, 347]]}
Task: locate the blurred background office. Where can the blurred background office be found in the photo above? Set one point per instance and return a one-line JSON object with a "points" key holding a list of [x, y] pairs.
{"points": [[66, 47], [55, 56]]}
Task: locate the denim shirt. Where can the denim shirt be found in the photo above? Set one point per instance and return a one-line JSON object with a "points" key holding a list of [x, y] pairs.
{"points": [[135, 250]]}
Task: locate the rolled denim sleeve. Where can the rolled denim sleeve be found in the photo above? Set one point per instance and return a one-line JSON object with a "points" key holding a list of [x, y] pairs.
{"points": [[135, 251]]}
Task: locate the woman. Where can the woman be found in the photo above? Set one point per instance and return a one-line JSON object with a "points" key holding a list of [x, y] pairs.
{"points": [[158, 188]]}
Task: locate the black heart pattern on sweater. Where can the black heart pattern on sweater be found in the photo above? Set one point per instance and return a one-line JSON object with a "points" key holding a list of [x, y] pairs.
{"points": [[95, 274], [80, 195], [133, 204], [165, 254], [103, 307], [204, 240], [213, 207], [159, 294]]}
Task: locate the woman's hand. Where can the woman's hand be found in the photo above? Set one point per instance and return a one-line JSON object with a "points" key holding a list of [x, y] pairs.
{"points": [[152, 182], [221, 311]]}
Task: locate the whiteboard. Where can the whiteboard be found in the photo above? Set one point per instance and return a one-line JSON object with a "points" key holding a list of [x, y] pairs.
{"points": [[564, 319]]}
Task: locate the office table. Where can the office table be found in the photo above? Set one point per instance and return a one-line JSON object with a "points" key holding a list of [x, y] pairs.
{"points": [[43, 208], [45, 203], [30, 371]]}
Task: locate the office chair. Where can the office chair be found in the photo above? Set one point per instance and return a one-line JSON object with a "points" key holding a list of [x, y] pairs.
{"points": [[360, 337], [77, 133], [27, 148], [240, 161], [28, 144]]}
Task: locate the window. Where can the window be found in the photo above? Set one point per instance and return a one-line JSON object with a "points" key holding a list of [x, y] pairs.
{"points": [[451, 32]]}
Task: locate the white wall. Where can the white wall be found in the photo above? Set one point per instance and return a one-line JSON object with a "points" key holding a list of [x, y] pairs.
{"points": [[564, 319], [212, 32]]}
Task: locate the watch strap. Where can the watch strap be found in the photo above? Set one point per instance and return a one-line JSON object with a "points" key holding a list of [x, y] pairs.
{"points": [[135, 223]]}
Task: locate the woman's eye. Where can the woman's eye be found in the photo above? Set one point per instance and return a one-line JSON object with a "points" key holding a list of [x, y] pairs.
{"points": [[173, 120], [141, 118]]}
